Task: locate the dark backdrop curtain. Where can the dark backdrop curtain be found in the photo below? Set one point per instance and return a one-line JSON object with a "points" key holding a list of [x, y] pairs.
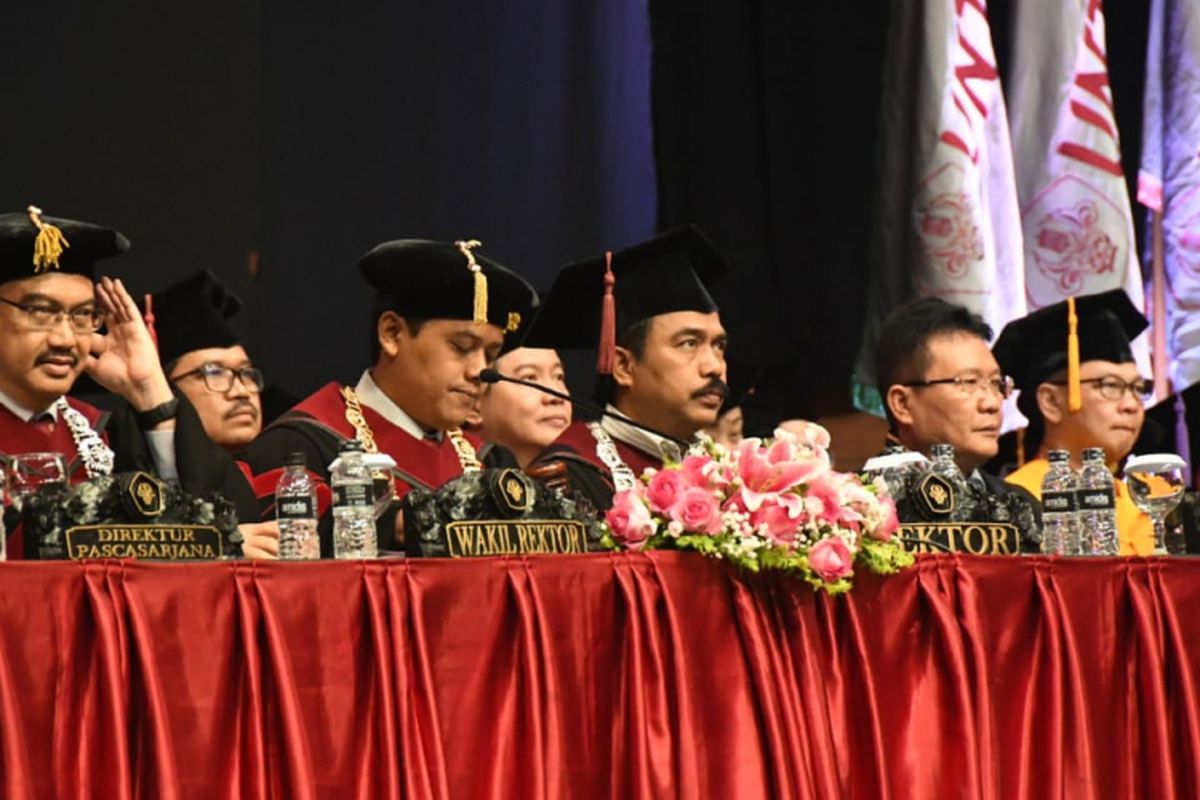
{"points": [[294, 136], [275, 142], [523, 124], [764, 116]]}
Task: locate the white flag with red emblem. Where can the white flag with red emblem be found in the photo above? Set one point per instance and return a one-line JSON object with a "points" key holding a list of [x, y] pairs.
{"points": [[950, 221], [1075, 205], [1169, 178]]}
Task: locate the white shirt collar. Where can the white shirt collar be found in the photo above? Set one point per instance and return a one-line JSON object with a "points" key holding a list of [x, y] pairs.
{"points": [[658, 446], [374, 398], [24, 414]]}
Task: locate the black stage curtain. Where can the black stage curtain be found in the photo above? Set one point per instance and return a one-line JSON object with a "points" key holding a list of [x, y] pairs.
{"points": [[765, 119]]}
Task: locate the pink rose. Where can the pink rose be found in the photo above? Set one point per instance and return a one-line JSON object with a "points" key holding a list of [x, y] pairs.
{"points": [[830, 559], [630, 520], [698, 511], [704, 472], [664, 490]]}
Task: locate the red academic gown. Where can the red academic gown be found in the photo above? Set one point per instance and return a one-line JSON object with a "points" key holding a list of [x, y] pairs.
{"points": [[317, 427], [203, 468], [586, 473], [18, 436]]}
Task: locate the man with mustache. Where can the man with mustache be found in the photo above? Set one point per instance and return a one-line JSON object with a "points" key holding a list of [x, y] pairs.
{"points": [[661, 357], [441, 314], [51, 316], [203, 357], [1111, 391]]}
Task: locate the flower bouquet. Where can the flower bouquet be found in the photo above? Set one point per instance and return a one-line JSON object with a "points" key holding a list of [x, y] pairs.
{"points": [[773, 504]]}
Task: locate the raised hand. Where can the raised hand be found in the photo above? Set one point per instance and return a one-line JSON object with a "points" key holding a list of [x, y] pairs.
{"points": [[125, 360]]}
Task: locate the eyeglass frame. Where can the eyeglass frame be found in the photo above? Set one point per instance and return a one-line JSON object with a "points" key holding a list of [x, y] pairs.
{"points": [[1126, 386], [970, 386], [204, 370], [58, 313]]}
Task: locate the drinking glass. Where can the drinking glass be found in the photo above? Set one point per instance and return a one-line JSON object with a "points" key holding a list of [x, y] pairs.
{"points": [[1156, 484], [27, 472]]}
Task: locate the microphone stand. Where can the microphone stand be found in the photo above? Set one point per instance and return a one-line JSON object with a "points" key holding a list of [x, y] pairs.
{"points": [[490, 375]]}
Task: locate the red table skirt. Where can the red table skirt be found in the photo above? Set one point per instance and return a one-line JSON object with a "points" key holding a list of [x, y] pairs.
{"points": [[664, 675]]}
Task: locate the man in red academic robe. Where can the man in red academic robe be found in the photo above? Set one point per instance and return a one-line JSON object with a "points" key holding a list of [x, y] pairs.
{"points": [[51, 316], [441, 315], [661, 357]]}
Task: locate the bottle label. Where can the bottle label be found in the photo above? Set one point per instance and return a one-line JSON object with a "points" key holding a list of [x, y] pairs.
{"points": [[1058, 502], [1096, 500], [352, 494], [295, 508]]}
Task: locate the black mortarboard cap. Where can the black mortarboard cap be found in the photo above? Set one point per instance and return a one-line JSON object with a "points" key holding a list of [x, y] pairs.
{"points": [[668, 273], [194, 314], [439, 280], [742, 378], [31, 245], [1032, 349]]}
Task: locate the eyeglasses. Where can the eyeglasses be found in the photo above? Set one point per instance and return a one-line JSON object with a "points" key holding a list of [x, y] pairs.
{"points": [[971, 385], [44, 316], [1113, 388], [219, 378]]}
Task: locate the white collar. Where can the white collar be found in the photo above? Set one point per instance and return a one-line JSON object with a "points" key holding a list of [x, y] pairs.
{"points": [[658, 446], [374, 398], [24, 414]]}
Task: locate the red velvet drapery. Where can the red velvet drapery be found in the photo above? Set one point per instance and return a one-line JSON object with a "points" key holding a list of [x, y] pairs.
{"points": [[656, 675]]}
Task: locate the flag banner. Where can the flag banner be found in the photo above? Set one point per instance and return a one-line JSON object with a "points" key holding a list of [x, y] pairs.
{"points": [[950, 222], [1169, 176], [1075, 209]]}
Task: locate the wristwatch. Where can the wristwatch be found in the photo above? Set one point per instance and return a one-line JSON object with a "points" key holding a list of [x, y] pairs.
{"points": [[161, 413]]}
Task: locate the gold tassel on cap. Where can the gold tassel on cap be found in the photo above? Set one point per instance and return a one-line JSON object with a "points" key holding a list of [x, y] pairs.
{"points": [[1074, 394], [479, 314], [49, 244]]}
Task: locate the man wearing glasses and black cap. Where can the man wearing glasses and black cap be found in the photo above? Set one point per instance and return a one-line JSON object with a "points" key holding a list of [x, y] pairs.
{"points": [[51, 314], [1098, 404], [204, 357]]}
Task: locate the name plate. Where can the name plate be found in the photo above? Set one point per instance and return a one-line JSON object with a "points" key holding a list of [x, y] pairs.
{"points": [[976, 538], [493, 537], [149, 542]]}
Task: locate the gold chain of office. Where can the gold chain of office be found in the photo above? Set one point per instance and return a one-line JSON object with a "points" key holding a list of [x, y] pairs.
{"points": [[354, 415]]}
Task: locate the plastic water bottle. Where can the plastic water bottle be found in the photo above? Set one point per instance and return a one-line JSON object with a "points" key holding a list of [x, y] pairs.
{"points": [[353, 504], [1097, 506], [899, 470], [1060, 509], [296, 511], [944, 463]]}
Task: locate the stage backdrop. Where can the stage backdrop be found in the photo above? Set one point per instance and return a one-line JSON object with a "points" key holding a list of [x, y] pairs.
{"points": [[289, 136]]}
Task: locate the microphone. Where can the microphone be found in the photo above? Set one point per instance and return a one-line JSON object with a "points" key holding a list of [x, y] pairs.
{"points": [[490, 375], [918, 541]]}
